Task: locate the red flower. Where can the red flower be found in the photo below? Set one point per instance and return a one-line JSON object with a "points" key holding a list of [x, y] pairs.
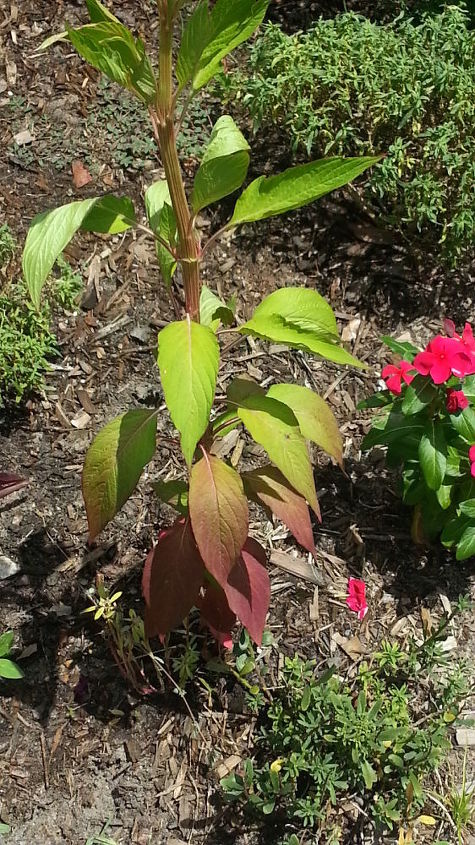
{"points": [[356, 599], [456, 400], [393, 375], [442, 358], [471, 457]]}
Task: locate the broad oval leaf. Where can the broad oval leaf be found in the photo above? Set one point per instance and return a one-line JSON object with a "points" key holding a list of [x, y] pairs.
{"points": [[418, 395], [51, 231], [172, 579], [315, 418], [10, 670], [188, 360], [224, 165], [209, 37], [248, 589], [219, 515], [468, 507], [302, 319], [433, 455], [273, 425], [6, 642], [111, 48], [267, 486], [174, 493], [213, 310], [269, 196], [161, 218], [114, 463], [464, 424], [466, 544]]}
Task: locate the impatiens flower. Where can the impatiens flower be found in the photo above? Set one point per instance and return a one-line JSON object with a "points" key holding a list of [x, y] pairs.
{"points": [[471, 457], [443, 357], [456, 400], [356, 599], [394, 374]]}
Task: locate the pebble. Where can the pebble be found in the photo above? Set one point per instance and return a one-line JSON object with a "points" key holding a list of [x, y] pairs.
{"points": [[465, 736], [8, 567]]}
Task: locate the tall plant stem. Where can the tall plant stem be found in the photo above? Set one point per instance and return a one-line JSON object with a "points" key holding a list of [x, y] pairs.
{"points": [[163, 121]]}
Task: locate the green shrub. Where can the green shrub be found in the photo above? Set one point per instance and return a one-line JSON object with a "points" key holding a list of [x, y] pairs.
{"points": [[351, 86]]}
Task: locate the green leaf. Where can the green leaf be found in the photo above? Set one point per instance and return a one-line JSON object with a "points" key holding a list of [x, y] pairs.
{"points": [[406, 350], [369, 775], [173, 493], [418, 395], [6, 642], [466, 545], [273, 425], [469, 388], [98, 12], [114, 463], [444, 496], [464, 424], [219, 515], [188, 359], [51, 231], [224, 165], [268, 196], [111, 48], [302, 319], [433, 455], [467, 507], [161, 218], [392, 427], [209, 37], [9, 669], [453, 530], [315, 418], [213, 310]]}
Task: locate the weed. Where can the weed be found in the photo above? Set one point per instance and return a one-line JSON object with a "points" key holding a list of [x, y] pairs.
{"points": [[8, 668], [7, 245]]}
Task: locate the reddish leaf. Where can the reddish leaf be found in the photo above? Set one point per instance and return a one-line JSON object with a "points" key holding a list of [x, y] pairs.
{"points": [[172, 579], [81, 175], [9, 483], [248, 589], [217, 614], [219, 515], [269, 487]]}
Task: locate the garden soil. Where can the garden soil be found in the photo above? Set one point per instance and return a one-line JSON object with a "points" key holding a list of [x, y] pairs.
{"points": [[80, 750]]}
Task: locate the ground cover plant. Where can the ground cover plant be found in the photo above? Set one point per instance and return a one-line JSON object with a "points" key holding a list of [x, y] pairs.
{"points": [[376, 735], [427, 423], [406, 89], [206, 558], [8, 668]]}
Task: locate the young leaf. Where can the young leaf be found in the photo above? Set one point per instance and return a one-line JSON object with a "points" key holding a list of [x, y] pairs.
{"points": [[315, 418], [98, 12], [6, 642], [219, 515], [273, 425], [418, 395], [248, 589], [224, 165], [161, 218], [188, 360], [51, 231], [213, 310], [111, 48], [173, 493], [209, 37], [433, 455], [269, 487], [172, 579], [302, 319], [269, 196], [10, 670], [466, 544], [114, 463]]}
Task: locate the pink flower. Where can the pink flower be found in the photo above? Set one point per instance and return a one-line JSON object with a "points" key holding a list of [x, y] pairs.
{"points": [[393, 375], [442, 358], [471, 457], [456, 400], [356, 599]]}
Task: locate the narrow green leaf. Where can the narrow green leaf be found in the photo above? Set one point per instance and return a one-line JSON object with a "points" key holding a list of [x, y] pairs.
{"points": [[161, 218], [219, 515], [98, 12], [10, 670], [369, 775], [188, 359], [114, 463], [444, 496], [51, 231], [420, 393], [209, 37], [224, 165], [6, 642], [273, 425], [111, 48], [315, 418], [433, 455], [213, 310], [406, 350], [466, 545], [269, 196], [302, 319], [467, 507]]}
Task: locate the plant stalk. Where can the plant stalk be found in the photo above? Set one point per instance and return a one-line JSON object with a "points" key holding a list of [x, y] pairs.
{"points": [[163, 121]]}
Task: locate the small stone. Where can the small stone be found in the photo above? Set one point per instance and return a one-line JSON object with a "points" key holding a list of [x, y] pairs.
{"points": [[465, 736], [8, 567], [140, 333]]}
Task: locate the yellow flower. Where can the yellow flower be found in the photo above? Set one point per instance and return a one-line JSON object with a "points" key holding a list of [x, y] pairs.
{"points": [[276, 765]]}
